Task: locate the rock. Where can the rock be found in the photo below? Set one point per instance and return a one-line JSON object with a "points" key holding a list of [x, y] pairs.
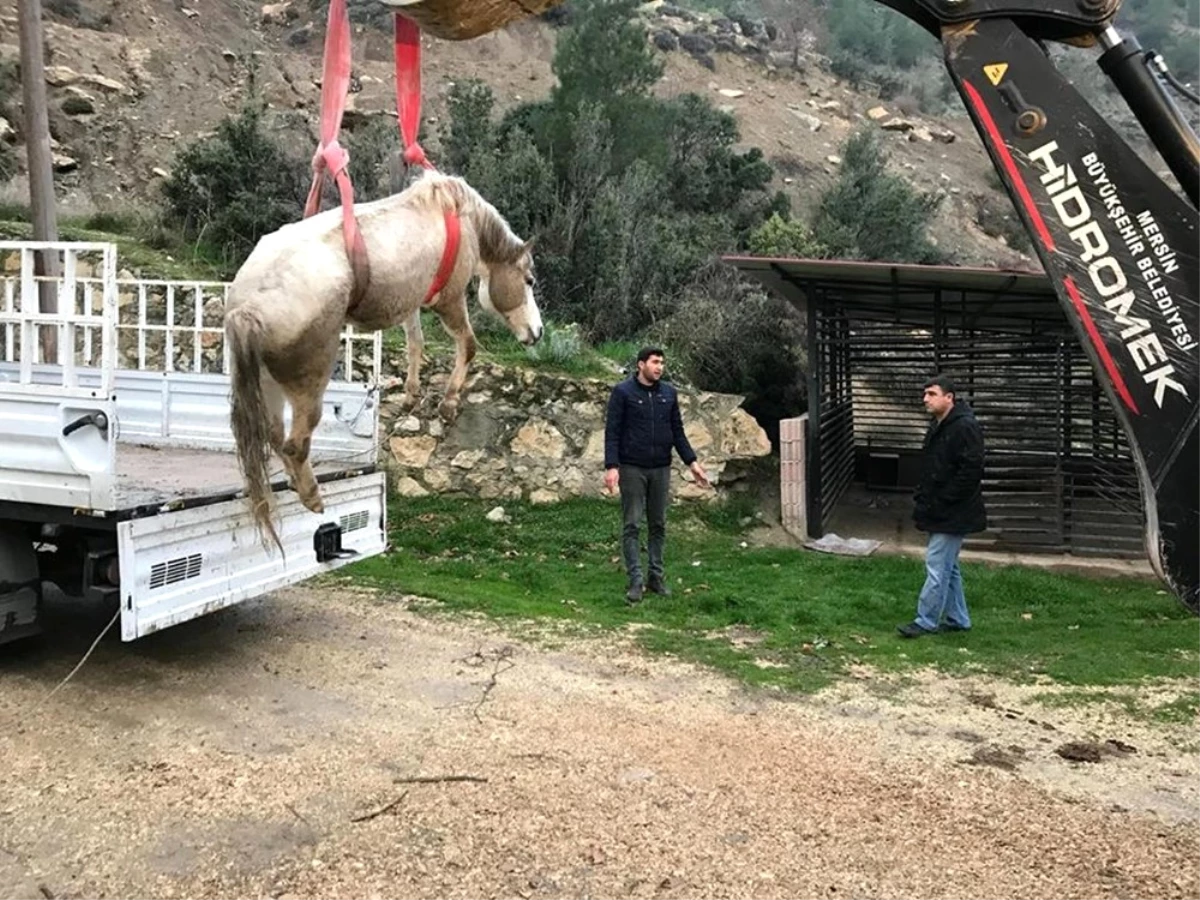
{"points": [[409, 424], [742, 436], [920, 134], [497, 514], [876, 113], [105, 84], [811, 122], [943, 136], [277, 14], [593, 451], [190, 13], [160, 173], [731, 93], [8, 134], [300, 37], [698, 434], [410, 487], [541, 496], [829, 105], [539, 438], [833, 159], [897, 124], [64, 163], [437, 479], [60, 76], [467, 459], [413, 451]]}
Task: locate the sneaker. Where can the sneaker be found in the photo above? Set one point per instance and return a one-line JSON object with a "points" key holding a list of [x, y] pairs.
{"points": [[953, 626], [912, 630], [634, 593], [658, 586]]}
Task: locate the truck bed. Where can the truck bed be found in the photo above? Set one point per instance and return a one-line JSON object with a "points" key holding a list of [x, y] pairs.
{"points": [[148, 476]]}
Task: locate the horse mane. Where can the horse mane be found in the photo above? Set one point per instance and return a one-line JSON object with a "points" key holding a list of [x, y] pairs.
{"points": [[498, 243]]}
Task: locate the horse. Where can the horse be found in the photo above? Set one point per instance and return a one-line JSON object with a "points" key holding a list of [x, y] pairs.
{"points": [[290, 301]]}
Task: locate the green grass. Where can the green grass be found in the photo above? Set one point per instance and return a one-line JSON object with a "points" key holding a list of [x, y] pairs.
{"points": [[811, 616], [1182, 709]]}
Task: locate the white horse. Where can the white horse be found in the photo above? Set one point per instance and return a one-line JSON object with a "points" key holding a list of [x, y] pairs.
{"points": [[291, 299]]}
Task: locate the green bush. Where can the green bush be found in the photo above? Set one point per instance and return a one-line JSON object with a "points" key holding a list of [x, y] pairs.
{"points": [[785, 238], [560, 344], [227, 191]]}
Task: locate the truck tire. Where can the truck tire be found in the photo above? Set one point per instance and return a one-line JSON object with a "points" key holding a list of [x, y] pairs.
{"points": [[20, 585]]}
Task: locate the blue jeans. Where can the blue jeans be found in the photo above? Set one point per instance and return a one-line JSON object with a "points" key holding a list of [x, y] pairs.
{"points": [[942, 594]]}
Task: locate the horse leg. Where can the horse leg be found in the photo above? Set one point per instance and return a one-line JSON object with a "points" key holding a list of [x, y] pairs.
{"points": [[273, 397], [457, 324], [306, 415], [414, 342]]}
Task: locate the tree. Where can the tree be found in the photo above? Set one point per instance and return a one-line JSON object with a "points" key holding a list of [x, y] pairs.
{"points": [[870, 213]]}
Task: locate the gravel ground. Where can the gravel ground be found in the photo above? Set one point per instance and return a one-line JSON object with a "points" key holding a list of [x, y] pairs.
{"points": [[263, 752]]}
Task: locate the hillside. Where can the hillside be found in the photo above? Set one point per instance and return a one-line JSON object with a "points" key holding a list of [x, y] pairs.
{"points": [[132, 81]]}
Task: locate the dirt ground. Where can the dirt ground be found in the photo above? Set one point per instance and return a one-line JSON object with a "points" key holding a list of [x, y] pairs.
{"points": [[262, 752]]}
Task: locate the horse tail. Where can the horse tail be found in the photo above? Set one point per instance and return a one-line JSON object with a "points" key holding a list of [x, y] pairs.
{"points": [[250, 417]]}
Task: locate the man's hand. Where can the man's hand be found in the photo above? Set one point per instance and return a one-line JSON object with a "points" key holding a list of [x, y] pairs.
{"points": [[611, 478], [700, 475]]}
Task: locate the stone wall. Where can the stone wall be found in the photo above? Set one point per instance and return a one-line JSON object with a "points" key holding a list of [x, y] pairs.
{"points": [[525, 434]]}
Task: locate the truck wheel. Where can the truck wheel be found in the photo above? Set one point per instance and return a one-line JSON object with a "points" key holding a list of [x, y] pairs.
{"points": [[20, 586]]}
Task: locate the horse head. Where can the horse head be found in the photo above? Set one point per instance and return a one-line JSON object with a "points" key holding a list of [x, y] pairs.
{"points": [[506, 287], [506, 277]]}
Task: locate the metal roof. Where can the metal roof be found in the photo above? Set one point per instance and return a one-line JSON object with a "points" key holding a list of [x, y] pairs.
{"points": [[1009, 300]]}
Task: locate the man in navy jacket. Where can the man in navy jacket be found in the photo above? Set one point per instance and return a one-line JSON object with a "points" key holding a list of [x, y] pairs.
{"points": [[643, 425]]}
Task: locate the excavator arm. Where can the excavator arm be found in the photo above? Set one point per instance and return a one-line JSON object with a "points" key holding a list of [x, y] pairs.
{"points": [[1118, 243]]}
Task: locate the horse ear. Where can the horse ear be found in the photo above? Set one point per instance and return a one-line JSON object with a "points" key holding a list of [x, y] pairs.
{"points": [[527, 247]]}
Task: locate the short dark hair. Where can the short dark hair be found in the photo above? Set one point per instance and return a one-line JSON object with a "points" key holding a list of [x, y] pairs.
{"points": [[945, 382], [646, 352]]}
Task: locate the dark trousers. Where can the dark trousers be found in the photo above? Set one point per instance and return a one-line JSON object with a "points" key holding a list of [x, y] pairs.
{"points": [[644, 492]]}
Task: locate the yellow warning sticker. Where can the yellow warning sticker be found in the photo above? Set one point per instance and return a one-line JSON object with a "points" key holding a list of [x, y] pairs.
{"points": [[995, 72]]}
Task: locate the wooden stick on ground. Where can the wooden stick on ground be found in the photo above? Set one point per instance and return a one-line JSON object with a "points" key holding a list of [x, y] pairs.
{"points": [[387, 807]]}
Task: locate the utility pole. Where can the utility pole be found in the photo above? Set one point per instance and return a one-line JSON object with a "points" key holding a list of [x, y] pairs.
{"points": [[41, 163]]}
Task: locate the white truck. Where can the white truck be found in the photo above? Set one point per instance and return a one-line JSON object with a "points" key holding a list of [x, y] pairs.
{"points": [[118, 480]]}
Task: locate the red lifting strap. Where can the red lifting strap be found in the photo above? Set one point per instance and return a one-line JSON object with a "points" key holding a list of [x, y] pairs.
{"points": [[408, 111], [331, 157]]}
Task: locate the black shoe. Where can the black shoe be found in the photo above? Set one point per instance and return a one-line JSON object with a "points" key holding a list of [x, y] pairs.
{"points": [[912, 630], [634, 594], [953, 626], [659, 586]]}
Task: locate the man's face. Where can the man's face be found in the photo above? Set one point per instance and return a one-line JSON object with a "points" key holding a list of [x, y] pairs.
{"points": [[937, 402], [652, 369]]}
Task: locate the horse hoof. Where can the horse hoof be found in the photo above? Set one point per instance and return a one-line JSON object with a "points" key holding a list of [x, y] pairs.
{"points": [[314, 503], [408, 403], [448, 412]]}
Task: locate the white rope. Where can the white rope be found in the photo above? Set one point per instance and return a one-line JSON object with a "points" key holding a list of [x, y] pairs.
{"points": [[79, 665]]}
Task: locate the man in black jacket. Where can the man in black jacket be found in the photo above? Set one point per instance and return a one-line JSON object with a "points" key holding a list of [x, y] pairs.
{"points": [[642, 426], [948, 504]]}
